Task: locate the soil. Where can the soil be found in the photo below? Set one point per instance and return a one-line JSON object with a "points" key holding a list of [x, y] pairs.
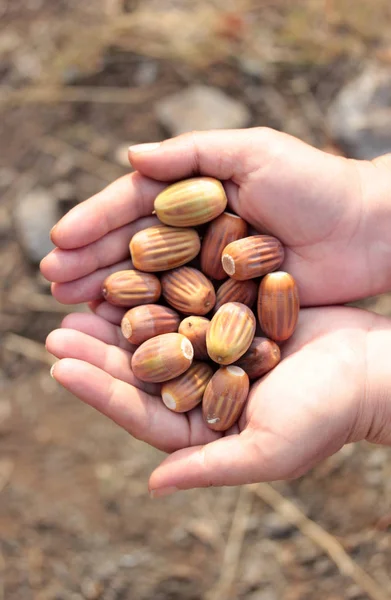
{"points": [[76, 521]]}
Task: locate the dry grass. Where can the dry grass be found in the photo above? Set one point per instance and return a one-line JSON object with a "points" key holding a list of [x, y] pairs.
{"points": [[314, 32]]}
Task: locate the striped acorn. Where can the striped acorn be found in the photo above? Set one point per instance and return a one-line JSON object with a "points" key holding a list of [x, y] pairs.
{"points": [[160, 248], [191, 202], [144, 322], [195, 328], [131, 288], [221, 232], [224, 397], [230, 333], [278, 305], [162, 358], [262, 356], [236, 291], [187, 290], [252, 257], [186, 391]]}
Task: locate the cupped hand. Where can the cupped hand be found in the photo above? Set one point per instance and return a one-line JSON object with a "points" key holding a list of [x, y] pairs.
{"points": [[332, 386]]}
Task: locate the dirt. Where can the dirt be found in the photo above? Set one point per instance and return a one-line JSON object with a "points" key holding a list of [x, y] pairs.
{"points": [[76, 521]]}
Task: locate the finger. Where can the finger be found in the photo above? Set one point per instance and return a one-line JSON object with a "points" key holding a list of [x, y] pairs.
{"points": [[122, 202], [97, 327], [69, 343], [232, 460], [68, 265], [144, 416], [224, 154], [109, 312], [86, 288]]}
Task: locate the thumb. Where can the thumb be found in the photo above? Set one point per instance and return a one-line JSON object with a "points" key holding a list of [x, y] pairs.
{"points": [[223, 154], [233, 460]]}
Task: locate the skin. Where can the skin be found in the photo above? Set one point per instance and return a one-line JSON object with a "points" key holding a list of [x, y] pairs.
{"points": [[333, 385]]}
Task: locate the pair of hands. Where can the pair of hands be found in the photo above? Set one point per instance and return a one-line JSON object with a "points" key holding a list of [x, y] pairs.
{"points": [[333, 385]]}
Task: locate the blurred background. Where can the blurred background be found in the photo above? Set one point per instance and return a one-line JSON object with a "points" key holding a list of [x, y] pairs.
{"points": [[79, 82]]}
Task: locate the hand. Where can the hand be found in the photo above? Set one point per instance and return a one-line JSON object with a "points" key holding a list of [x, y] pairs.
{"points": [[332, 386]]}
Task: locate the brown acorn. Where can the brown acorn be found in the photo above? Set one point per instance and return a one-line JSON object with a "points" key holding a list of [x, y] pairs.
{"points": [[220, 232], [195, 328], [224, 397], [252, 257], [162, 358], [131, 288], [191, 202], [278, 305], [186, 391], [236, 291], [262, 356], [160, 248], [187, 290], [144, 322], [230, 333]]}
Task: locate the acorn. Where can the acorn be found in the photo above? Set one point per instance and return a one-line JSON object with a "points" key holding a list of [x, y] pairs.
{"points": [[131, 288], [162, 358], [230, 333], [195, 328], [252, 257], [220, 232], [236, 291], [224, 397], [191, 202], [144, 322], [187, 290], [186, 391], [278, 305], [160, 248], [262, 356]]}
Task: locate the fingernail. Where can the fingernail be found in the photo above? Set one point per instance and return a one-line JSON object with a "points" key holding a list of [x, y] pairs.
{"points": [[52, 231], [52, 370], [166, 491], [144, 147]]}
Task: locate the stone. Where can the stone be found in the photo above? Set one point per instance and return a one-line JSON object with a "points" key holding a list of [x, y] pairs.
{"points": [[201, 108], [35, 214], [359, 119]]}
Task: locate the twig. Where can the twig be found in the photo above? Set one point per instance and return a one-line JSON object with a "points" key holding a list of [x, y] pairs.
{"points": [[329, 544], [89, 162], [29, 348], [223, 588], [58, 94]]}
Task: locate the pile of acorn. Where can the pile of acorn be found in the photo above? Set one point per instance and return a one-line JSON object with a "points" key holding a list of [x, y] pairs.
{"points": [[195, 326]]}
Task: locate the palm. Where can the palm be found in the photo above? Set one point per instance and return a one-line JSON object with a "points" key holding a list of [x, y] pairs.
{"points": [[301, 412]]}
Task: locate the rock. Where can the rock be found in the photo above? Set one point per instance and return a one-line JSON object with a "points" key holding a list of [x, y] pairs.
{"points": [[34, 216], [359, 119], [201, 107]]}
